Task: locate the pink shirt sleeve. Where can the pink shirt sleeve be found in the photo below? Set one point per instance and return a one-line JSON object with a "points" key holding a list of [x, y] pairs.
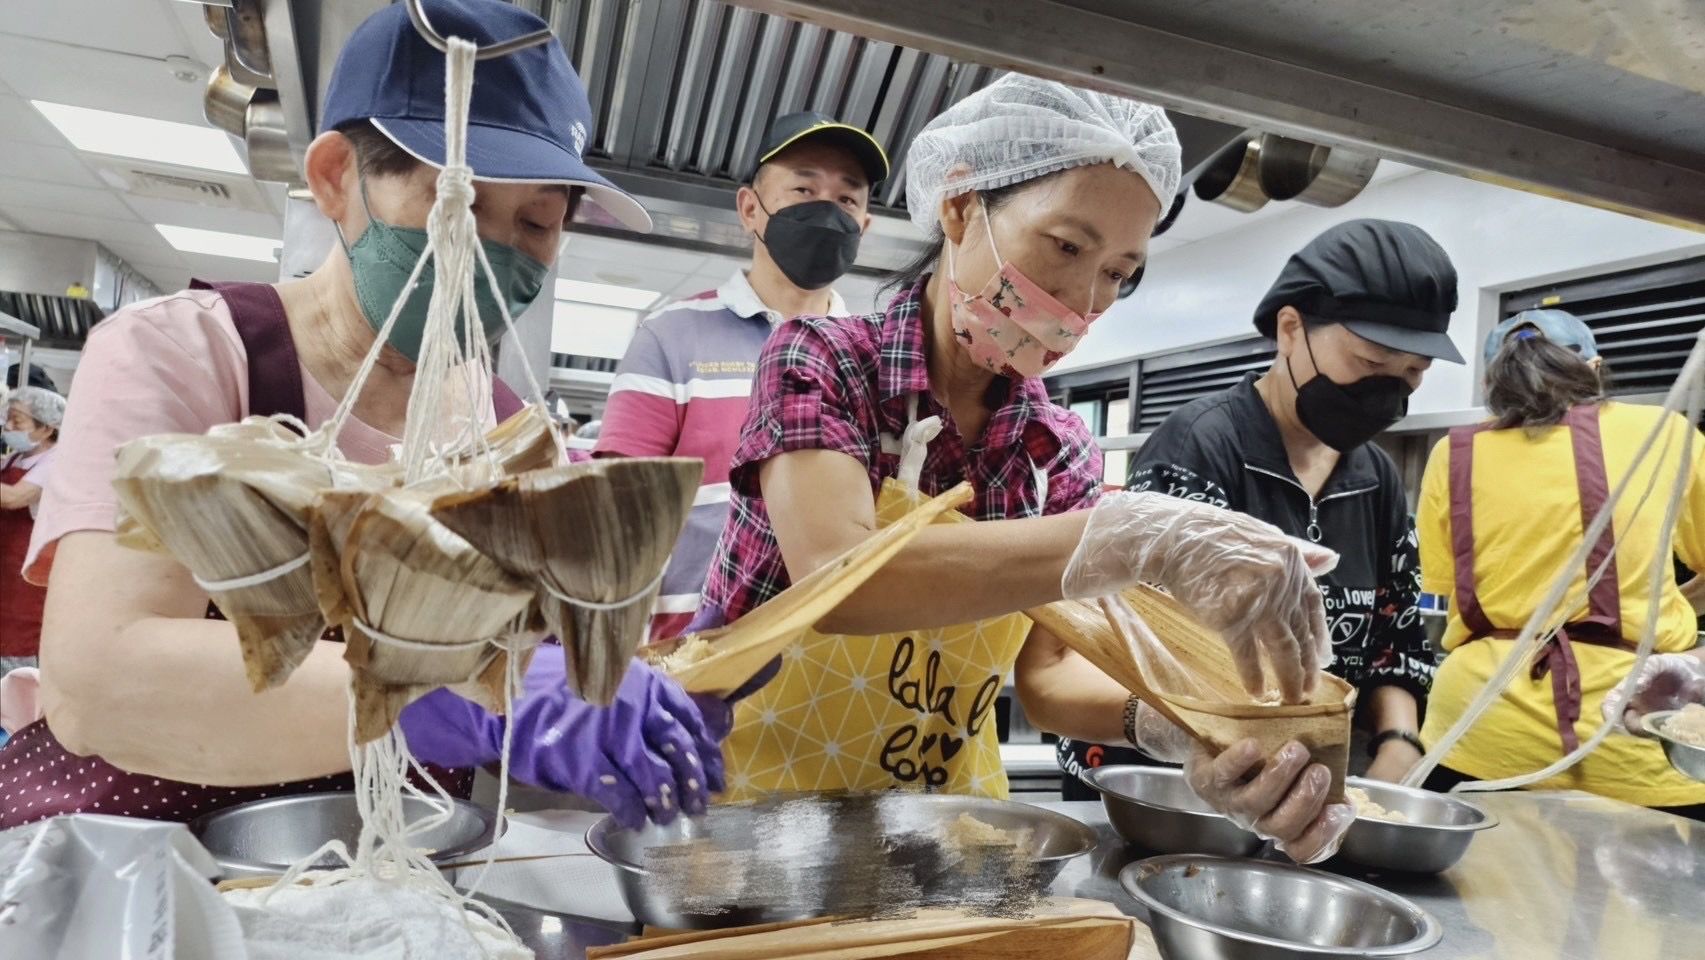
{"points": [[171, 365]]}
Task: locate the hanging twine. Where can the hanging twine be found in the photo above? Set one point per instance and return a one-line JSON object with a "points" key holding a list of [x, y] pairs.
{"points": [[384, 851]]}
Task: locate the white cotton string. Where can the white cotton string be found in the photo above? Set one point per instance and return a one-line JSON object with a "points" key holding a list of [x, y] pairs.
{"points": [[253, 579], [403, 643], [511, 691], [599, 605], [333, 428], [380, 768], [454, 234], [535, 392], [1686, 395]]}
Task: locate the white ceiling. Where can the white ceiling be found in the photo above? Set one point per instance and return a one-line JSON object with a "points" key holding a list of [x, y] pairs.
{"points": [[111, 55]]}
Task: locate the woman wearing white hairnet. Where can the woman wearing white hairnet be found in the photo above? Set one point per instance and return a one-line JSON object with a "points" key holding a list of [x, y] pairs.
{"points": [[1041, 199], [32, 418]]}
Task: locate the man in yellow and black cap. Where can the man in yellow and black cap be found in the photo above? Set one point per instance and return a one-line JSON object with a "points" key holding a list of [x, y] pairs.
{"points": [[681, 390]]}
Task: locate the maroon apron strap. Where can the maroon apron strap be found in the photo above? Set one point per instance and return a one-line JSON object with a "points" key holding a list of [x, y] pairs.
{"points": [[1604, 602], [275, 381], [275, 373], [1467, 601], [1603, 623]]}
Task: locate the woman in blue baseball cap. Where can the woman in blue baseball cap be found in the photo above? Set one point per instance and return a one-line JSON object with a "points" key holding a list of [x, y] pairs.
{"points": [[1503, 503], [148, 711]]}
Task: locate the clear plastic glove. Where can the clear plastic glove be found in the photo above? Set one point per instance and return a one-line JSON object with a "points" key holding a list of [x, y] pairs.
{"points": [[1238, 575], [1281, 798], [1667, 681], [649, 754], [1160, 738]]}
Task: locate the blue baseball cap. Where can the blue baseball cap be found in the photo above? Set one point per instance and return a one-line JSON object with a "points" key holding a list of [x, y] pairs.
{"points": [[528, 120], [1558, 326]]}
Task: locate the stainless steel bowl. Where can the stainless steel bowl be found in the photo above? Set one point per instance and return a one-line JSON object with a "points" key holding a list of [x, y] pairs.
{"points": [[1439, 830], [812, 855], [1155, 808], [1686, 758], [1205, 908], [265, 837]]}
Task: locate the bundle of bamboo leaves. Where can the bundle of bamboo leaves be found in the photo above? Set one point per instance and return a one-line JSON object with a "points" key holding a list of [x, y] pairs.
{"points": [[437, 582]]}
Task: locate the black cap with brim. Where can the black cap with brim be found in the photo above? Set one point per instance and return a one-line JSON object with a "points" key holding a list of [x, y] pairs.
{"points": [[1386, 282], [821, 128], [1422, 343]]}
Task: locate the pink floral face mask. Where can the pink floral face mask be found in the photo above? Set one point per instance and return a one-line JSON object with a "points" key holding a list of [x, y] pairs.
{"points": [[1019, 330]]}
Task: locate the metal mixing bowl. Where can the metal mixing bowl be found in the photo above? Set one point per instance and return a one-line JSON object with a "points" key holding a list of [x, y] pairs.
{"points": [[813, 855], [265, 837], [1685, 757], [1155, 808], [1439, 830], [1206, 908]]}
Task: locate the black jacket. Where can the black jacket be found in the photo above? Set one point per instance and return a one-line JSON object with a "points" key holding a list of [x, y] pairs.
{"points": [[1226, 449]]}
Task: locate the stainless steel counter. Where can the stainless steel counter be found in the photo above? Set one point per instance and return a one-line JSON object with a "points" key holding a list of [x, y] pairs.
{"points": [[1565, 876]]}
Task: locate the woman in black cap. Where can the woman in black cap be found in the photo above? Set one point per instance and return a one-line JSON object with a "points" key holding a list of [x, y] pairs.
{"points": [[1358, 316]]}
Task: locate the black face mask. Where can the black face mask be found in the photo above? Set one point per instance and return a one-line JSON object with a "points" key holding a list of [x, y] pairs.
{"points": [[1346, 415], [813, 243]]}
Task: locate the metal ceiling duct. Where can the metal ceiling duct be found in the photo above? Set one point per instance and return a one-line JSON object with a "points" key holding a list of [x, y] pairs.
{"points": [[226, 103], [683, 92], [1310, 173], [267, 140], [1232, 178]]}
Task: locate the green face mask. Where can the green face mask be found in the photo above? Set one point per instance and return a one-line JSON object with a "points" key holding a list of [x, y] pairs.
{"points": [[383, 257]]}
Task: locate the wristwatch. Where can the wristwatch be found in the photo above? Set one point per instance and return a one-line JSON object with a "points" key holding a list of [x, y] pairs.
{"points": [[1131, 706], [1407, 736]]}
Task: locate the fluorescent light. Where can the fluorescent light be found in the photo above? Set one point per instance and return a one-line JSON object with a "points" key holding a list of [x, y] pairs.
{"points": [[605, 294], [144, 138], [218, 243]]}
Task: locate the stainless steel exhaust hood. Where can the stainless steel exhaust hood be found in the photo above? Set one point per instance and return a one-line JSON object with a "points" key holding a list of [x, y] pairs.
{"points": [[683, 91]]}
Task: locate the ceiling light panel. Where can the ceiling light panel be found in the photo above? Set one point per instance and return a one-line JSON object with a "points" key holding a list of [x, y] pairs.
{"points": [[143, 138]]}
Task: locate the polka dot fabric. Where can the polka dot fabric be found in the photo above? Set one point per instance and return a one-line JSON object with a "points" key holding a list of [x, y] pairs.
{"points": [[39, 778]]}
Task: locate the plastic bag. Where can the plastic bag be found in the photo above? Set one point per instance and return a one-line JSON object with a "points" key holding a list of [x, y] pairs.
{"points": [[91, 887]]}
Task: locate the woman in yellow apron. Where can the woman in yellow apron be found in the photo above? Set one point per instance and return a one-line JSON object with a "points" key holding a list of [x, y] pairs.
{"points": [[1491, 545], [1042, 199]]}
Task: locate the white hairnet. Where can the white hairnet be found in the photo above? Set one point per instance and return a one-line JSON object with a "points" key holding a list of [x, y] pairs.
{"points": [[1020, 128], [42, 406]]}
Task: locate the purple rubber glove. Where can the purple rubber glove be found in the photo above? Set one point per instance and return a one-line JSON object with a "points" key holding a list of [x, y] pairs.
{"points": [[648, 754]]}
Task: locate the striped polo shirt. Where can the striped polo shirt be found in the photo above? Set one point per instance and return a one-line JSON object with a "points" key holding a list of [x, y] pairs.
{"points": [[681, 391]]}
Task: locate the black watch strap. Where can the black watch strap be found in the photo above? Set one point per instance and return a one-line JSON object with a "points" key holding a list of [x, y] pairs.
{"points": [[1407, 736]]}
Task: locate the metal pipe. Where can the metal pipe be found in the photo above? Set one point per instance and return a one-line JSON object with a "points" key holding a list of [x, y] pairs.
{"points": [[500, 49]]}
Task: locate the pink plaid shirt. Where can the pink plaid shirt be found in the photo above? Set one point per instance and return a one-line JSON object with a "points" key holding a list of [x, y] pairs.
{"points": [[828, 383]]}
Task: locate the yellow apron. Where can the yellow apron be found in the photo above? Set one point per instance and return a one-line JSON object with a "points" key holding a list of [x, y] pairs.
{"points": [[910, 710]]}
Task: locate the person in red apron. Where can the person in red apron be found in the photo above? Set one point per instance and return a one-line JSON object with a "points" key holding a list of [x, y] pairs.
{"points": [[1502, 504], [1041, 199], [148, 710], [32, 418]]}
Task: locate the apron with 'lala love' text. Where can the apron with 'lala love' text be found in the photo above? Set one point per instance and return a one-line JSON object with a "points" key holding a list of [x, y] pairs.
{"points": [[911, 710]]}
